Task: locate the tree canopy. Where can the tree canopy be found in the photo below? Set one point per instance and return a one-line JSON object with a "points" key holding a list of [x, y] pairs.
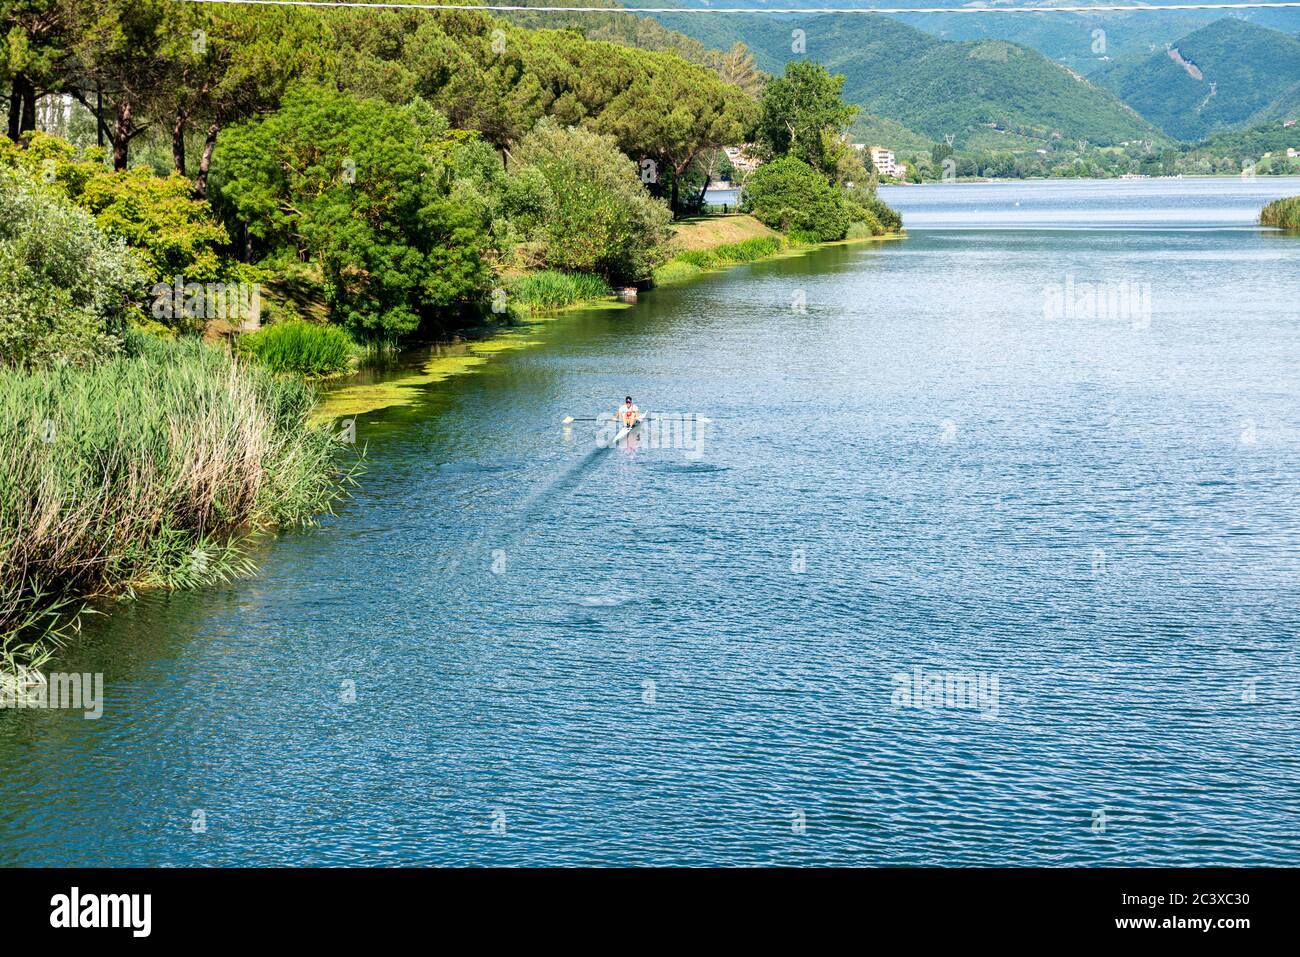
{"points": [[803, 115]]}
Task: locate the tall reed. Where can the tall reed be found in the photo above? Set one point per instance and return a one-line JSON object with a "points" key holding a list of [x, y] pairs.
{"points": [[311, 349], [144, 469], [551, 289], [1282, 213]]}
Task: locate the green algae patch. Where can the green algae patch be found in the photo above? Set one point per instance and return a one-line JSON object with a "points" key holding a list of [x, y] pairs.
{"points": [[403, 387]]}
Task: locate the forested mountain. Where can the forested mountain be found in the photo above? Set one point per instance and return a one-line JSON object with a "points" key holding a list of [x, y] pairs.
{"points": [[935, 87], [1085, 42], [1067, 37], [1228, 75]]}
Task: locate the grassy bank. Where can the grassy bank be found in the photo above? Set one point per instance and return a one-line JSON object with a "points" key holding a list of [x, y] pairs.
{"points": [[722, 241], [1282, 213], [145, 469]]}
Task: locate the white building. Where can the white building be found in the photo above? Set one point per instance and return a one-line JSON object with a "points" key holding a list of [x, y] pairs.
{"points": [[883, 160]]}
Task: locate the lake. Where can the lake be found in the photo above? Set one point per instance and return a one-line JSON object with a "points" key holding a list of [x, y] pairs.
{"points": [[988, 554]]}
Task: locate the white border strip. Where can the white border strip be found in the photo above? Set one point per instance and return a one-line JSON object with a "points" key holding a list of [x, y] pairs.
{"points": [[489, 8]]}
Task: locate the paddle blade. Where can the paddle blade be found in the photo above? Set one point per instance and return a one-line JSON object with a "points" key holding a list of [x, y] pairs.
{"points": [[567, 420]]}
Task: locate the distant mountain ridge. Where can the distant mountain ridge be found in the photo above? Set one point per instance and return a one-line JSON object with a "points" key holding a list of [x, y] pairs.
{"points": [[1229, 75], [936, 87]]}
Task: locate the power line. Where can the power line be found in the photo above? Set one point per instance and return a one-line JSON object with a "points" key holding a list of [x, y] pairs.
{"points": [[1105, 8]]}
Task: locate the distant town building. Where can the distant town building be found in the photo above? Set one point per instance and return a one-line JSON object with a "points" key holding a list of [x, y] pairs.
{"points": [[1288, 123], [742, 158], [1292, 152], [883, 160]]}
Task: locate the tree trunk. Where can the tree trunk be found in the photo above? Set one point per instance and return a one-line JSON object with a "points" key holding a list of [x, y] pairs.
{"points": [[122, 132], [22, 107], [28, 121], [209, 144], [15, 107], [672, 203], [178, 141], [99, 115]]}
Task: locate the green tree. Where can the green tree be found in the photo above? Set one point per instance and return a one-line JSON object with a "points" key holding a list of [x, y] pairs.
{"points": [[124, 50], [672, 112], [803, 115], [600, 217], [362, 189], [32, 50], [789, 195]]}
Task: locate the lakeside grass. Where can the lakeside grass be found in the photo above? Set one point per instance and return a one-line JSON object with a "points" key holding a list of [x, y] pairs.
{"points": [[1282, 213], [695, 261], [146, 469], [308, 349], [551, 289], [718, 242]]}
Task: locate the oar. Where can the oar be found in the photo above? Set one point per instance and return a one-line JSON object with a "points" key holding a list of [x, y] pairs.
{"points": [[568, 419]]}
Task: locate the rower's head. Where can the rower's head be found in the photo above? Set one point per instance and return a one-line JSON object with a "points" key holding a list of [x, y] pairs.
{"points": [[628, 400]]}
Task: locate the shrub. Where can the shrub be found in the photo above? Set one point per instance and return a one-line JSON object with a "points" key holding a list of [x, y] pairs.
{"points": [[789, 195], [66, 289], [601, 220], [866, 207], [170, 231], [308, 349]]}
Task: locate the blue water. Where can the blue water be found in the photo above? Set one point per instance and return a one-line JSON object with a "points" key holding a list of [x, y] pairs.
{"points": [[564, 654]]}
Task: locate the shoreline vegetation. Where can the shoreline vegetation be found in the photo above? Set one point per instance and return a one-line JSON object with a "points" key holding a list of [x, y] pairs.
{"points": [[210, 230], [1282, 213], [147, 469]]}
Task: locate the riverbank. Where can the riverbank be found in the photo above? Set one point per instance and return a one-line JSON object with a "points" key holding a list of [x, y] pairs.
{"points": [[706, 244], [720, 242], [150, 468]]}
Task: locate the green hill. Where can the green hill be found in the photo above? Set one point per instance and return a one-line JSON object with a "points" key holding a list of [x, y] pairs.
{"points": [[1226, 76], [1083, 42], [989, 88]]}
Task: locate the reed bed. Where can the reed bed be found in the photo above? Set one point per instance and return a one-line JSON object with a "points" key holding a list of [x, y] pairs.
{"points": [[310, 349], [1282, 213], [551, 289], [144, 469]]}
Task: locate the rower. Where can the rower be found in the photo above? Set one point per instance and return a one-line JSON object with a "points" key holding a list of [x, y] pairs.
{"points": [[628, 414]]}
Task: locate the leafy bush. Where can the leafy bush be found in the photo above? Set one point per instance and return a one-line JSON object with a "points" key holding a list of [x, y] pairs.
{"points": [[602, 219], [308, 349], [1282, 213], [866, 207], [360, 187], [170, 231], [66, 289], [554, 290], [789, 195]]}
